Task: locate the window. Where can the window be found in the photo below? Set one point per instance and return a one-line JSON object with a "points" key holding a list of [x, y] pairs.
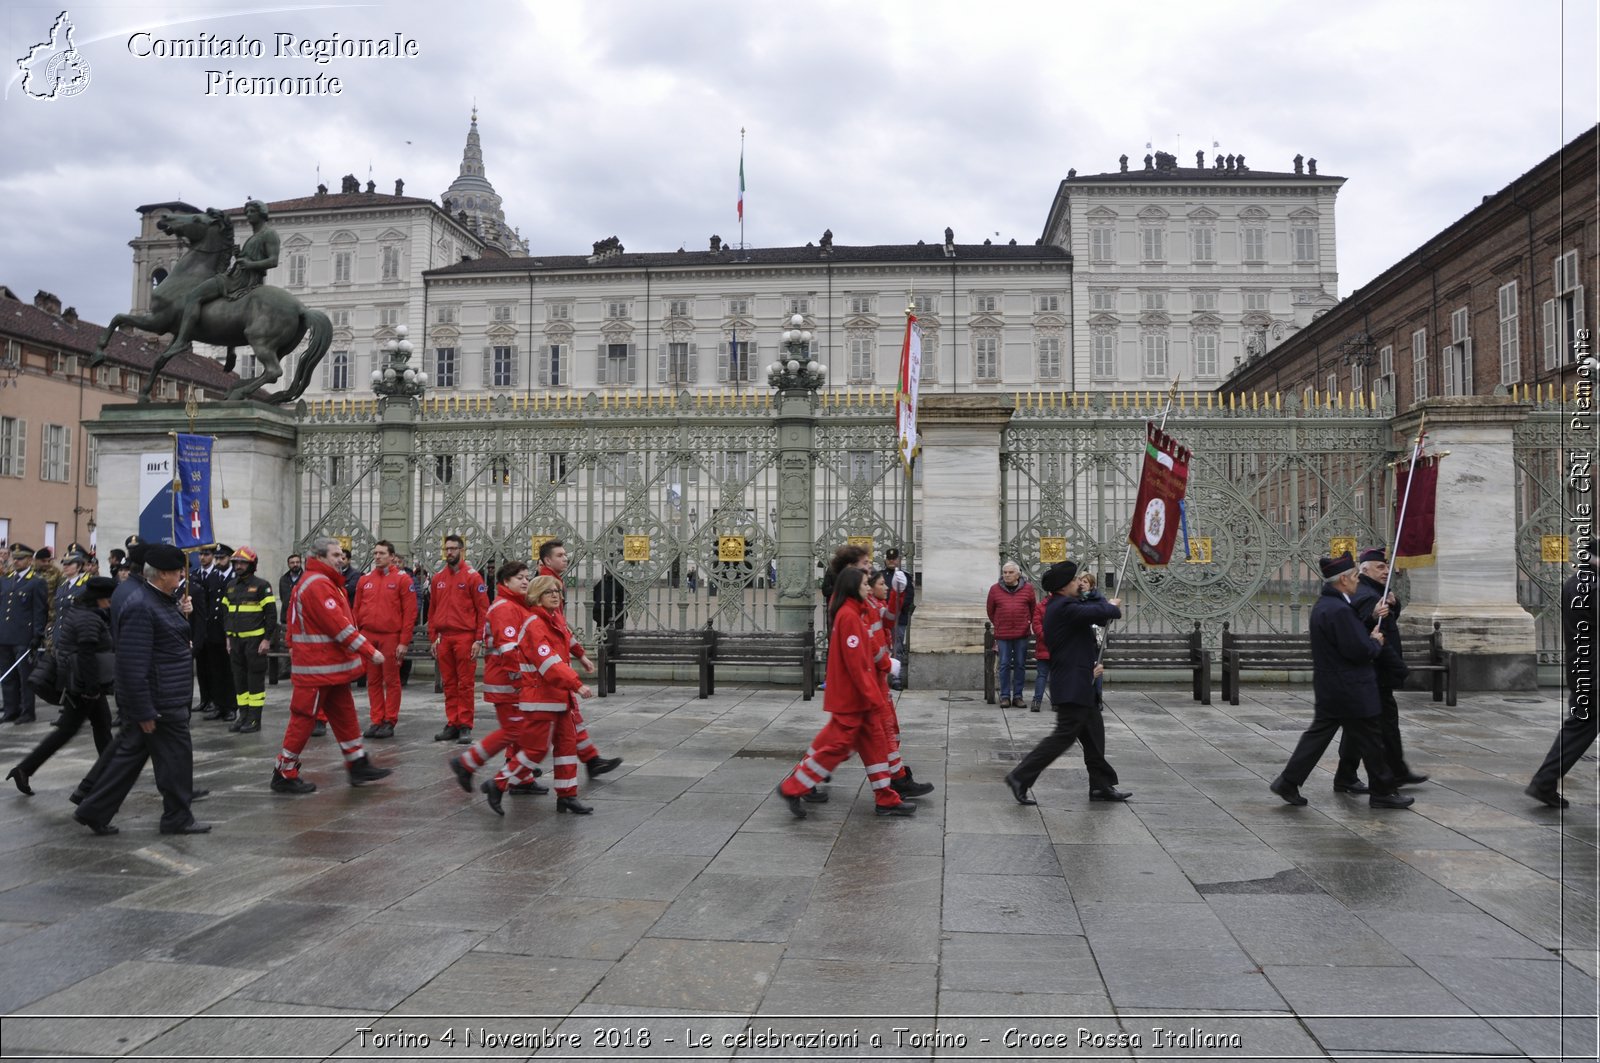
{"points": [[735, 363], [677, 308], [390, 259], [1357, 378], [925, 304], [55, 456], [1047, 304], [676, 364], [1203, 243], [618, 365], [799, 305], [1050, 358], [1153, 243], [501, 312], [1384, 385], [861, 367], [1305, 242], [738, 308], [1205, 354], [1253, 243], [1457, 357], [502, 367], [1152, 302], [339, 371], [556, 468], [1155, 354], [930, 356], [861, 304], [444, 367], [985, 304], [1103, 299], [1510, 338], [297, 270], [1205, 301], [1104, 352], [553, 365], [444, 315], [1563, 315], [1419, 364], [986, 357], [863, 468], [1102, 242], [343, 264], [388, 316], [1256, 300], [1332, 383], [335, 470], [13, 446], [500, 470], [559, 312], [444, 468], [617, 309], [91, 461], [339, 318]]}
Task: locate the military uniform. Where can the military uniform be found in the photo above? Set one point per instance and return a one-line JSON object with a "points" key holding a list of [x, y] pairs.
{"points": [[251, 615], [24, 615]]}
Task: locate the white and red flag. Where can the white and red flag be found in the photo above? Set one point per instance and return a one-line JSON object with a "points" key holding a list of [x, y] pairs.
{"points": [[905, 391], [1162, 486]]}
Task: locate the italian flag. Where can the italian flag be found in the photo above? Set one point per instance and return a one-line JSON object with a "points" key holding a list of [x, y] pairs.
{"points": [[741, 184]]}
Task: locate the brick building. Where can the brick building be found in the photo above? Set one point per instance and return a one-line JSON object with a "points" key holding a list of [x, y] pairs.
{"points": [[47, 461], [1494, 301]]}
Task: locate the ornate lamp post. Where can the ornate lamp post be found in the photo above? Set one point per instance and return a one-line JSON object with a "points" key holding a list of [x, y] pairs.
{"points": [[796, 377], [795, 371], [398, 379]]}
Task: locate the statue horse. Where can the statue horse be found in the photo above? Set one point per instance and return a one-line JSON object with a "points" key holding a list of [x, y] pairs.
{"points": [[267, 319]]}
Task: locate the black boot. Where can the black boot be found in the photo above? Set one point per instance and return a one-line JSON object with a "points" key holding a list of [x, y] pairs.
{"points": [[601, 765], [238, 720], [494, 795], [20, 777], [283, 784], [526, 788], [320, 729], [908, 786], [250, 720], [462, 773], [450, 733], [363, 771], [573, 805]]}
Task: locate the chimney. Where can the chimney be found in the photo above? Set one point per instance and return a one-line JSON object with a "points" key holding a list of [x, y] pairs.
{"points": [[70, 314], [716, 242], [47, 302], [399, 187]]}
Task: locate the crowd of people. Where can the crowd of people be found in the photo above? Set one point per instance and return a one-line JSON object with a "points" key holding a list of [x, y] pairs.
{"points": [[161, 624]]}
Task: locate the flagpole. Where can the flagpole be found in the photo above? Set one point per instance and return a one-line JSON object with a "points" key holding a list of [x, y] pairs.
{"points": [[1127, 550], [1405, 500], [741, 188]]}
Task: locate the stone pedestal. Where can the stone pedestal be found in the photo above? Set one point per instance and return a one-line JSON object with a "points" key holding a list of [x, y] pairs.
{"points": [[396, 493], [797, 440], [958, 555], [1471, 589], [252, 468]]}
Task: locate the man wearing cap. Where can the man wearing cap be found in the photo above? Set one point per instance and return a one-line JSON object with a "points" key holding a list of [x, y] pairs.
{"points": [[206, 583], [74, 574], [1392, 672], [252, 622], [386, 613], [1345, 686], [24, 614], [1580, 611], [901, 604], [1069, 622], [154, 683], [45, 568]]}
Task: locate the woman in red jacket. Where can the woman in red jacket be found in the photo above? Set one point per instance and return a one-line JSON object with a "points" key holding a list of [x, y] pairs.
{"points": [[856, 691], [900, 777], [1041, 654]]}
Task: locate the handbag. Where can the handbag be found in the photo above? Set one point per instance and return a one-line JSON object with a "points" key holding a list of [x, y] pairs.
{"points": [[45, 679]]}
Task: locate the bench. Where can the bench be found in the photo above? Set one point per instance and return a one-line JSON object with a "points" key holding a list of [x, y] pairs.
{"points": [[656, 647], [765, 648], [1279, 653], [1440, 668], [1153, 650]]}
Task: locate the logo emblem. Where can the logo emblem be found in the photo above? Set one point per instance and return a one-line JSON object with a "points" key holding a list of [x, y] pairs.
{"points": [[1155, 521], [511, 632], [852, 642], [55, 69], [331, 604], [544, 650]]}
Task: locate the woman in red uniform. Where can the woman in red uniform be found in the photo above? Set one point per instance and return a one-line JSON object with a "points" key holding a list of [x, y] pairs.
{"points": [[900, 777], [856, 691]]}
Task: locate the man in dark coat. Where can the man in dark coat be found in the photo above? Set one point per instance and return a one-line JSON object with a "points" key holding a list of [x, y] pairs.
{"points": [[1392, 672], [155, 684], [209, 622], [24, 614], [280, 665], [1346, 689], [1579, 614], [1074, 666]]}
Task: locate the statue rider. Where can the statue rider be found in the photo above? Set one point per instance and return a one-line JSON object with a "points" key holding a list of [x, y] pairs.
{"points": [[249, 270]]}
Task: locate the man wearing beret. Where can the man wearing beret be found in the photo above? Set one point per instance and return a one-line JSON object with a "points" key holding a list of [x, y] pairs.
{"points": [[24, 614], [1069, 622], [1345, 685], [155, 684], [1392, 672]]}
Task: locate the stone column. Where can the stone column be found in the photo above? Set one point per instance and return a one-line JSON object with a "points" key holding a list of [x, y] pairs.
{"points": [[797, 442], [1471, 589], [397, 489], [252, 468], [960, 548]]}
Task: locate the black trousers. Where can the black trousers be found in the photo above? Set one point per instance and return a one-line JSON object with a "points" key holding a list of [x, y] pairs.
{"points": [[74, 711], [215, 672], [1572, 741], [171, 754], [1394, 754], [1074, 723], [16, 696], [1363, 730]]}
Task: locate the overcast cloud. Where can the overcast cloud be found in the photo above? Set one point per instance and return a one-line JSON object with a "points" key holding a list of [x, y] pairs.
{"points": [[883, 121]]}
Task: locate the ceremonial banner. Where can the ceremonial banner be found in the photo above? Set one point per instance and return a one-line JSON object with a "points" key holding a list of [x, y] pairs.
{"points": [[1161, 490], [905, 394], [155, 497], [1415, 495], [192, 495]]}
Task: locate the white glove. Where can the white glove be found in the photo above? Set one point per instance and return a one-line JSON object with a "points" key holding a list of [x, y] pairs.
{"points": [[899, 580], [894, 668]]}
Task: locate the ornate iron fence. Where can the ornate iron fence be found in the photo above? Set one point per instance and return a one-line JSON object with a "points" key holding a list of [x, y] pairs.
{"points": [[1542, 449]]}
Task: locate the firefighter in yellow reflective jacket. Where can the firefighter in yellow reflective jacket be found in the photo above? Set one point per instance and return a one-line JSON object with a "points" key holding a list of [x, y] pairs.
{"points": [[252, 622]]}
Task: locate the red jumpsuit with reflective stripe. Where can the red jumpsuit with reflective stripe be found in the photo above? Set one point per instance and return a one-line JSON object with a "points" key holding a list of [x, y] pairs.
{"points": [[326, 651], [386, 612], [457, 606], [587, 750], [543, 717], [888, 721], [507, 616]]}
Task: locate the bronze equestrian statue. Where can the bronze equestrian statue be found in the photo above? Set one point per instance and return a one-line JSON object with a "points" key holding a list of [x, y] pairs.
{"points": [[215, 295]]}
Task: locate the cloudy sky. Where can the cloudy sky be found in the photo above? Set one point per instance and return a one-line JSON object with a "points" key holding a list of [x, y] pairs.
{"points": [[884, 121]]}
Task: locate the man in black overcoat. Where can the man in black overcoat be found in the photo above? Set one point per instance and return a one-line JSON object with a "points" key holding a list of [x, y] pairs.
{"points": [[1346, 690], [1074, 665], [1579, 609]]}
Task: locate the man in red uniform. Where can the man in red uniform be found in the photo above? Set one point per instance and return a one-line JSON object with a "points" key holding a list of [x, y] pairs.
{"points": [[553, 561], [326, 650], [457, 605], [386, 614]]}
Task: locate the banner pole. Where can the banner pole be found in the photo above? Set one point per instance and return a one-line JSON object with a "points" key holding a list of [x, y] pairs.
{"points": [[1405, 500]]}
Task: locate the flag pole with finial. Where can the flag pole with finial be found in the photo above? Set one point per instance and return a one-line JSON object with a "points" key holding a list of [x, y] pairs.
{"points": [[741, 188]]}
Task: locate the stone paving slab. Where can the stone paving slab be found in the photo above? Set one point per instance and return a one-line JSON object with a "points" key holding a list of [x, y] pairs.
{"points": [[693, 910]]}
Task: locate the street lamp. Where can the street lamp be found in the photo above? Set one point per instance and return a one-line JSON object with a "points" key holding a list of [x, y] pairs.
{"points": [[398, 379], [795, 370]]}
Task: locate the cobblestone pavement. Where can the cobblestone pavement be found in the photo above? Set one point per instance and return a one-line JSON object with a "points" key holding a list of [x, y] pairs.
{"points": [[692, 917]]}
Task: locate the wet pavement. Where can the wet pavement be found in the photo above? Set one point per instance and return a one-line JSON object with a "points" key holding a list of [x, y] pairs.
{"points": [[693, 917]]}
